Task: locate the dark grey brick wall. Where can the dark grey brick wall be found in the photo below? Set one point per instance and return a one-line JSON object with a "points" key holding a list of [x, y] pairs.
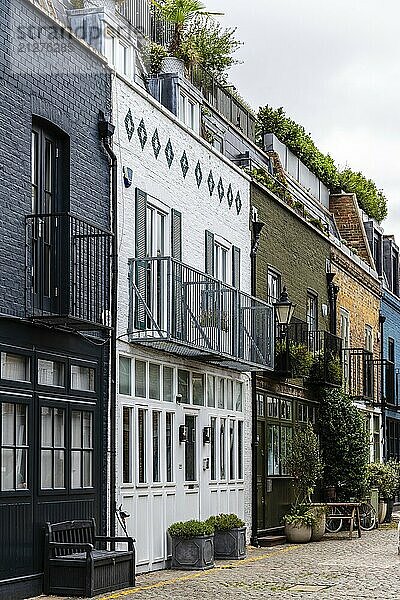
{"points": [[66, 88]]}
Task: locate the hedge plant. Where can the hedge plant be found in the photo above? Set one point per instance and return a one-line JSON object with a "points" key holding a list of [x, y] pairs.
{"points": [[224, 522], [370, 199], [383, 476], [192, 528], [344, 444]]}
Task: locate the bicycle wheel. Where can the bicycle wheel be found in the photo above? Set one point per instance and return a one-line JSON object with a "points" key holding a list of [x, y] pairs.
{"points": [[367, 516], [336, 524]]}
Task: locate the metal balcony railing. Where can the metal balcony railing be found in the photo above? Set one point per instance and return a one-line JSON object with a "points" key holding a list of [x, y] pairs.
{"points": [[142, 14], [389, 383], [176, 308], [221, 98], [67, 271], [362, 375], [312, 355]]}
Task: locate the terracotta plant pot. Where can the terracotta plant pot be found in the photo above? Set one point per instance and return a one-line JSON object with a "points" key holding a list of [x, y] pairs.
{"points": [[298, 534]]}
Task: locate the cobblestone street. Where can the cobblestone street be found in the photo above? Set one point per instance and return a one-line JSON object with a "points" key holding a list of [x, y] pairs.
{"points": [[333, 568]]}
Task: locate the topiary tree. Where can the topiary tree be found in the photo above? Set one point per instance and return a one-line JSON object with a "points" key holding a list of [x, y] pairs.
{"points": [[303, 463], [344, 443]]}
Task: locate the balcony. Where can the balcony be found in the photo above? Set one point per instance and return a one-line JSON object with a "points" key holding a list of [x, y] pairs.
{"points": [[362, 375], [67, 271], [142, 15], [180, 310], [312, 355], [389, 387], [221, 98]]}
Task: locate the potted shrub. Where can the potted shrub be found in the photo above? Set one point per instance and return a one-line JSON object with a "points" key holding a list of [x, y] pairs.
{"points": [[229, 536], [299, 523], [304, 465], [192, 545], [383, 476], [318, 529]]}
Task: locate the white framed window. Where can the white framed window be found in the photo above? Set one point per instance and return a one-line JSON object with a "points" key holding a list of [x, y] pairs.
{"points": [[142, 445], [125, 375], [189, 111], [169, 446], [274, 286], [127, 444], [221, 262], [369, 339], [156, 445]]}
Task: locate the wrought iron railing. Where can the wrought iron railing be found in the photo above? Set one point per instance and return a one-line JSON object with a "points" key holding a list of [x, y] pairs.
{"points": [[67, 271], [362, 374], [312, 355], [142, 14], [389, 383], [221, 98], [176, 307]]}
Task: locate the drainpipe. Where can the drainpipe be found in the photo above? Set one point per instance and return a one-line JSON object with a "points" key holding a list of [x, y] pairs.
{"points": [[255, 242], [333, 291], [382, 320], [106, 131]]}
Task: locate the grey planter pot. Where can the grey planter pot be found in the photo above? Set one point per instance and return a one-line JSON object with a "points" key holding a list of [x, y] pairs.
{"points": [[193, 554], [230, 544]]}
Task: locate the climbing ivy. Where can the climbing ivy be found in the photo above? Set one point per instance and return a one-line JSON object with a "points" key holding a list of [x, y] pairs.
{"points": [[370, 199]]}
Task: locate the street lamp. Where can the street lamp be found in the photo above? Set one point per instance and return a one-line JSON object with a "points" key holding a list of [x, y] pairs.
{"points": [[284, 309]]}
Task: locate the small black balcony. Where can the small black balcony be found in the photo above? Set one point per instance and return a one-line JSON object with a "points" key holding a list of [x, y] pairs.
{"points": [[315, 356], [389, 385], [361, 375], [67, 271], [178, 309]]}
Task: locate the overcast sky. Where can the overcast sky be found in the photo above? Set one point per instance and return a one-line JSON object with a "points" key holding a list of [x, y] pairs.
{"points": [[335, 68]]}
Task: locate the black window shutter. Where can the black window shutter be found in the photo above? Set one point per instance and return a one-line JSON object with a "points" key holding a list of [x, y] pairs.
{"points": [[140, 274], [140, 224], [209, 253], [176, 234], [236, 267]]}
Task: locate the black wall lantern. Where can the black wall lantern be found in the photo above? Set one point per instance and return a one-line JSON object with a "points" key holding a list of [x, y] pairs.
{"points": [[206, 435]]}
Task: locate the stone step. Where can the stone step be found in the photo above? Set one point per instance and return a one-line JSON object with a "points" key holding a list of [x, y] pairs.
{"points": [[267, 541]]}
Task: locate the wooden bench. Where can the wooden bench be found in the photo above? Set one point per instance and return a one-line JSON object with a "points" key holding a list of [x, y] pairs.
{"points": [[74, 567]]}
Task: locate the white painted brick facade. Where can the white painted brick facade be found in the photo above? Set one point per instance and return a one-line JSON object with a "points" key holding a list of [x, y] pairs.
{"points": [[200, 212]]}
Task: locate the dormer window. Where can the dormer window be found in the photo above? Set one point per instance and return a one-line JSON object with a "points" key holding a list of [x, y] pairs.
{"points": [[189, 111], [119, 53]]}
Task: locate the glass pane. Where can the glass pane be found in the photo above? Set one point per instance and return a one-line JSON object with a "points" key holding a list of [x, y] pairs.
{"points": [[124, 375], [140, 379], [154, 381], [168, 384], [286, 438], [169, 445], [231, 449], [221, 395], [229, 396], [7, 420], [142, 445], [22, 477], [48, 167], [82, 378], [58, 427], [87, 430], [7, 469], [273, 450], [76, 427], [239, 396], [76, 469], [51, 373], [15, 367], [211, 390], [240, 449], [47, 426], [20, 424], [46, 469], [222, 449], [190, 449], [59, 468], [87, 468], [156, 446], [198, 389], [213, 449], [127, 445], [183, 385]]}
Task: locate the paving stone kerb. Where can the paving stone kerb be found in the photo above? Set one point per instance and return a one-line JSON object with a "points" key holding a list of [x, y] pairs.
{"points": [[336, 567]]}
